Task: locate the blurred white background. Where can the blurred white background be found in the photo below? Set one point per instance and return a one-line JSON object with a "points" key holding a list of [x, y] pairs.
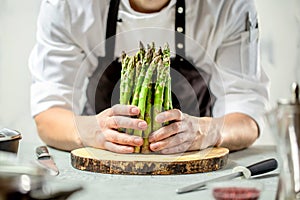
{"points": [[280, 52]]}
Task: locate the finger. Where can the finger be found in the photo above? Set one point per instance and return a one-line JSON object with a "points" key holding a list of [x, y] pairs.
{"points": [[123, 139], [171, 141], [123, 110], [167, 131], [177, 149], [117, 148], [170, 115], [116, 122]]}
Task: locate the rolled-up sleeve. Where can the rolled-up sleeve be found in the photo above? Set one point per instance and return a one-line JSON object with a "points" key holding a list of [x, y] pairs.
{"points": [[55, 61], [239, 83]]}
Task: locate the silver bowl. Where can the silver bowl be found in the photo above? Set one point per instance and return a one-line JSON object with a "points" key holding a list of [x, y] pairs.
{"points": [[20, 181], [9, 140]]}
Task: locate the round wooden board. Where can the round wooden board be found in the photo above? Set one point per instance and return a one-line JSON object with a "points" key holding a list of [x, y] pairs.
{"points": [[101, 161]]}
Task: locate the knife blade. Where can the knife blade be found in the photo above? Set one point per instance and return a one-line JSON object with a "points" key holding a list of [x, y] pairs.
{"points": [[46, 160], [253, 170]]}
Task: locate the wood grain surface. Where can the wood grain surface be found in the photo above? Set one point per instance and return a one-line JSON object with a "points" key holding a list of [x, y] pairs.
{"points": [[101, 161]]}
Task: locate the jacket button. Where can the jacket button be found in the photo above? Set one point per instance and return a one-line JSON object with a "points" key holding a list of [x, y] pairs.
{"points": [[180, 45], [180, 10], [180, 29]]}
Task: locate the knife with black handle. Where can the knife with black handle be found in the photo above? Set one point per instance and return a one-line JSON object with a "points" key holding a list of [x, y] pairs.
{"points": [[252, 170]]}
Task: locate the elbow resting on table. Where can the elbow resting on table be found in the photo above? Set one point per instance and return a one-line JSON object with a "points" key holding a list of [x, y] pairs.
{"points": [[56, 127], [239, 131]]}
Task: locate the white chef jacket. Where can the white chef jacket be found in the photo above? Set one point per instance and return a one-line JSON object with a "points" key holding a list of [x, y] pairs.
{"points": [[71, 36]]}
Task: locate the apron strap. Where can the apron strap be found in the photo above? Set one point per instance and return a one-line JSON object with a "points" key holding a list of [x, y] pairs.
{"points": [[111, 28], [180, 30]]}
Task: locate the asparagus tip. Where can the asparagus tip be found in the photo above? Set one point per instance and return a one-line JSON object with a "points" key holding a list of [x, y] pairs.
{"points": [[159, 51], [123, 55], [141, 45], [152, 45], [166, 46]]}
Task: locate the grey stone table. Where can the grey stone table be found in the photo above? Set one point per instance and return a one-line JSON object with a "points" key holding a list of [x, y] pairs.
{"points": [[128, 187]]}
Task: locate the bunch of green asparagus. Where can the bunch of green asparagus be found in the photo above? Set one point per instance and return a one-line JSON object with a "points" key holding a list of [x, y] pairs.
{"points": [[146, 83]]}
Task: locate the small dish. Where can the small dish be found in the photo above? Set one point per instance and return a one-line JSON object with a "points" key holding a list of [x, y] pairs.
{"points": [[236, 190], [9, 140]]}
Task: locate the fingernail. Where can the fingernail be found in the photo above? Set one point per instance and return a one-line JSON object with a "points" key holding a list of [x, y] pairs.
{"points": [[142, 125], [134, 110], [159, 118], [151, 139], [154, 146], [129, 149], [137, 141]]}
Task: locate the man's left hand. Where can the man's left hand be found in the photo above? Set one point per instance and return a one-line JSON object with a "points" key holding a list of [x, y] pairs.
{"points": [[185, 133]]}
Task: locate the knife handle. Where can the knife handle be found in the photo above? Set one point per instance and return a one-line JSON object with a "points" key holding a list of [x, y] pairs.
{"points": [[42, 151], [263, 167]]}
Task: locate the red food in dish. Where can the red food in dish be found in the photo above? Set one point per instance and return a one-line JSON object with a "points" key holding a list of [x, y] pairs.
{"points": [[236, 193]]}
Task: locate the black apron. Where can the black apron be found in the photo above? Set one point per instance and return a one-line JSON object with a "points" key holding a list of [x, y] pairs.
{"points": [[190, 93]]}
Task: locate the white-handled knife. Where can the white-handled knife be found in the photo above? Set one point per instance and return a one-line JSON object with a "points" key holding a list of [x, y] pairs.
{"points": [[46, 160]]}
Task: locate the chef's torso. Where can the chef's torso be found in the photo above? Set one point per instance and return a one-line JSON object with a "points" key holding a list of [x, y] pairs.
{"points": [[71, 38]]}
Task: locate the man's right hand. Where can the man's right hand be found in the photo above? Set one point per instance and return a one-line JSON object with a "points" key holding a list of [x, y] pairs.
{"points": [[101, 131]]}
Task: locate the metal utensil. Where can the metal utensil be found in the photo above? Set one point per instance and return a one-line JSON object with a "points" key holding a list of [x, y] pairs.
{"points": [[28, 181], [252, 170], [46, 160], [9, 140]]}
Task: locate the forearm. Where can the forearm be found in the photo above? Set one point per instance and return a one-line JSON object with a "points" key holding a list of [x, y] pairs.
{"points": [[57, 127], [237, 131], [187, 133]]}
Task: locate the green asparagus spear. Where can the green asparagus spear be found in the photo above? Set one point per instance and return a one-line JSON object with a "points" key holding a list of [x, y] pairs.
{"points": [[168, 105], [168, 93], [141, 53], [124, 63], [148, 119], [128, 80], [159, 94], [139, 60], [135, 101], [146, 61], [144, 92], [145, 86]]}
